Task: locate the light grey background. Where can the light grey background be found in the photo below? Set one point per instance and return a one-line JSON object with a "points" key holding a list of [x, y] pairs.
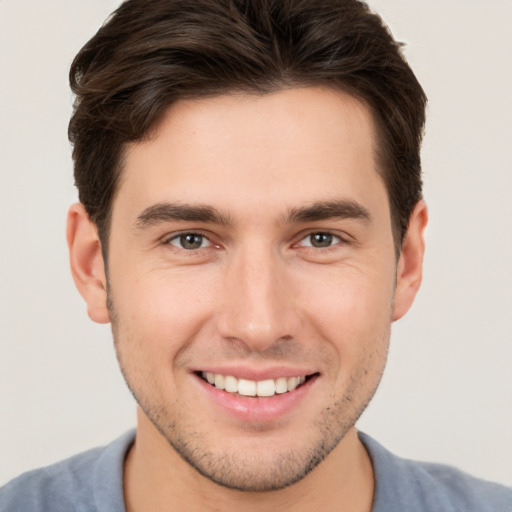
{"points": [[447, 393]]}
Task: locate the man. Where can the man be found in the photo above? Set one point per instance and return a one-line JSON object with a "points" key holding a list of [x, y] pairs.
{"points": [[250, 223]]}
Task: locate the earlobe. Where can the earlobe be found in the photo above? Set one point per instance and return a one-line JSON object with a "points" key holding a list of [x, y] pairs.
{"points": [[86, 260], [410, 264]]}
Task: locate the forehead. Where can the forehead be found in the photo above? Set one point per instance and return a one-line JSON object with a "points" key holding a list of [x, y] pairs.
{"points": [[240, 151]]}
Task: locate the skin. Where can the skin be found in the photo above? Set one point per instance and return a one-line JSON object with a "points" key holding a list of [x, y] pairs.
{"points": [[255, 294]]}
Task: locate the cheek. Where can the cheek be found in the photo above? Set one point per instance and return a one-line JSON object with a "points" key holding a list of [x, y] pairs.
{"points": [[353, 313], [161, 312]]}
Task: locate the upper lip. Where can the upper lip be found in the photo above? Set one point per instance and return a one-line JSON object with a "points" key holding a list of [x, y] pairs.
{"points": [[258, 374]]}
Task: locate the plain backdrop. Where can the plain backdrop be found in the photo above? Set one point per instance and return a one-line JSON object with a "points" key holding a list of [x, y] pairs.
{"points": [[447, 392]]}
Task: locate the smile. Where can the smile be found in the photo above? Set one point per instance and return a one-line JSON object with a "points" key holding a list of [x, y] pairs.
{"points": [[245, 387]]}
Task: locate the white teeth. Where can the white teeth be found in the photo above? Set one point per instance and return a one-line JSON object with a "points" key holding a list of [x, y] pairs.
{"points": [[219, 381], [293, 382], [231, 384], [281, 385], [266, 387], [245, 387]]}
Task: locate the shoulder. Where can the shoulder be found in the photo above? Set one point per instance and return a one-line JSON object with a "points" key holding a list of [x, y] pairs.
{"points": [[89, 481], [403, 484]]}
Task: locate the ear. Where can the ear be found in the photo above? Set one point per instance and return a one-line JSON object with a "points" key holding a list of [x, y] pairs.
{"points": [[410, 264], [87, 266]]}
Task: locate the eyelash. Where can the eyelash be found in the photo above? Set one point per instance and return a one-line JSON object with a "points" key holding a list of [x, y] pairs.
{"points": [[338, 240], [323, 233], [178, 236]]}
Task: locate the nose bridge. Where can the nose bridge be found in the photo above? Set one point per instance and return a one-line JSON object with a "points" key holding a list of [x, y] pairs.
{"points": [[258, 301]]}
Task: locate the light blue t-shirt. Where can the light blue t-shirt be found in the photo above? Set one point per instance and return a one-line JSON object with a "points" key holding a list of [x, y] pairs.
{"points": [[93, 482]]}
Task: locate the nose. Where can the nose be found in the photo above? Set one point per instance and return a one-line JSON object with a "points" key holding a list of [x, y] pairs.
{"points": [[259, 308]]}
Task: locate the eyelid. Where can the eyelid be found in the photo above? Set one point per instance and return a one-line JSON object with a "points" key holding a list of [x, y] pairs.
{"points": [[168, 238], [342, 238]]}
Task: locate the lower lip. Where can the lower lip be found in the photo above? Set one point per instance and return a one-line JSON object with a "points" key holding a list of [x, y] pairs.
{"points": [[257, 409]]}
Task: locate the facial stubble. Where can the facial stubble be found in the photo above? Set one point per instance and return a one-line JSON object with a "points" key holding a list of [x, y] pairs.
{"points": [[261, 470]]}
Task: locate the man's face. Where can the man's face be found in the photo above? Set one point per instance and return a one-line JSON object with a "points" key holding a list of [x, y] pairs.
{"points": [[251, 239]]}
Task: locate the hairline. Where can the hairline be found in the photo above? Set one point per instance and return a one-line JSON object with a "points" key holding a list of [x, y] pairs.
{"points": [[380, 153]]}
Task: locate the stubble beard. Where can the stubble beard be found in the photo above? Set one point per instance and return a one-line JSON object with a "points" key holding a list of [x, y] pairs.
{"points": [[259, 471]]}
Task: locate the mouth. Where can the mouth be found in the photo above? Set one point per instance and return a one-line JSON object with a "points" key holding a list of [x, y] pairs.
{"points": [[254, 388], [257, 397]]}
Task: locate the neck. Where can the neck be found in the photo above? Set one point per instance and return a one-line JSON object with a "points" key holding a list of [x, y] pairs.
{"points": [[157, 478]]}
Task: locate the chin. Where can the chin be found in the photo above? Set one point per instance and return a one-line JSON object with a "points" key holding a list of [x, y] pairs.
{"points": [[254, 472], [253, 461]]}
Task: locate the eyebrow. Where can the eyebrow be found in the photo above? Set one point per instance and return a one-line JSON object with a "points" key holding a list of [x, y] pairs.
{"points": [[167, 212], [323, 210]]}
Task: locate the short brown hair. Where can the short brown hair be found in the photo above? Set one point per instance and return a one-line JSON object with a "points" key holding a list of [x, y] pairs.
{"points": [[152, 53]]}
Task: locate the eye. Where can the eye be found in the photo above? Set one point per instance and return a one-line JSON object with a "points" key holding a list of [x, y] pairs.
{"points": [[190, 241], [320, 240]]}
